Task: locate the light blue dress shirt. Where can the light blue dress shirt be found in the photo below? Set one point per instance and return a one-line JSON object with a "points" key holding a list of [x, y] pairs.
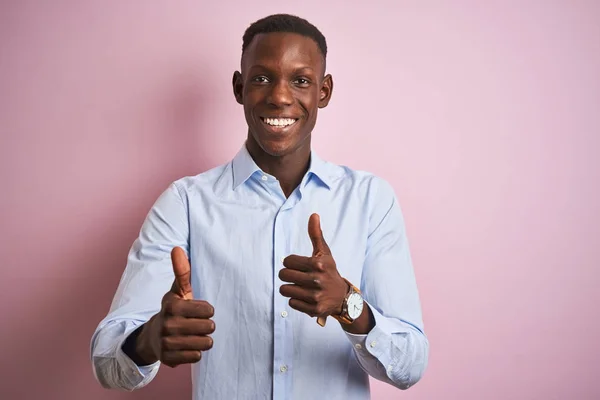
{"points": [[236, 225]]}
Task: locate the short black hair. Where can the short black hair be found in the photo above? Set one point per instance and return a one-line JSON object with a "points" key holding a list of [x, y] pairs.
{"points": [[285, 23]]}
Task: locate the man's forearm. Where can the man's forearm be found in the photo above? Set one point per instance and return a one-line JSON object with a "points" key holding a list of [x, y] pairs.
{"points": [[136, 347]]}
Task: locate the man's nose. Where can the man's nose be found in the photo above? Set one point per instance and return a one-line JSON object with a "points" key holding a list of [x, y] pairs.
{"points": [[281, 94]]}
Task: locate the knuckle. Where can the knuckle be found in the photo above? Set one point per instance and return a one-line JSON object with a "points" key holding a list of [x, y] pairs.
{"points": [[165, 343], [315, 281], [316, 296], [178, 306], [173, 307], [168, 327], [168, 306]]}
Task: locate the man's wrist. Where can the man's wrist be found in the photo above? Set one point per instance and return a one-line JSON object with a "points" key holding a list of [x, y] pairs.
{"points": [[137, 349], [363, 324]]}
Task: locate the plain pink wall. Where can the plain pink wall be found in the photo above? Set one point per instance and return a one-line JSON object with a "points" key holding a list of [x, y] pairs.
{"points": [[484, 116]]}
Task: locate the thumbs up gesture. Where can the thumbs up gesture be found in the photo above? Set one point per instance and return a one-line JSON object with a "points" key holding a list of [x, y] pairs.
{"points": [[179, 333], [315, 286]]}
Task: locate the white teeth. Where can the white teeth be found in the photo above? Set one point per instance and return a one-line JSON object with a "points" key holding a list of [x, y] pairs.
{"points": [[279, 121]]}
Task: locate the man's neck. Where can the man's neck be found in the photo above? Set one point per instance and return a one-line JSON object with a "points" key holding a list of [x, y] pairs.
{"points": [[288, 169]]}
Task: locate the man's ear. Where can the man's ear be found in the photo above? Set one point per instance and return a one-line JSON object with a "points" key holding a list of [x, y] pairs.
{"points": [[326, 90], [238, 87]]}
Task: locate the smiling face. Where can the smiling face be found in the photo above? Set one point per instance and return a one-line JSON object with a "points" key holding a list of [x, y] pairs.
{"points": [[281, 87]]}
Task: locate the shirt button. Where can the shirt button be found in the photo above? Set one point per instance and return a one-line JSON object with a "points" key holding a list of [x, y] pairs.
{"points": [[390, 368], [357, 346], [283, 368], [264, 177], [284, 314], [373, 343], [282, 258]]}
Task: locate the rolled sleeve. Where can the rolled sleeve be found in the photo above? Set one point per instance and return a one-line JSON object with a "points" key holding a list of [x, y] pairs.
{"points": [[112, 367], [147, 277], [389, 353], [138, 376]]}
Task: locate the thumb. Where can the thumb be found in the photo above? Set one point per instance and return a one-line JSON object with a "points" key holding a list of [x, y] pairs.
{"points": [[182, 286], [315, 233]]}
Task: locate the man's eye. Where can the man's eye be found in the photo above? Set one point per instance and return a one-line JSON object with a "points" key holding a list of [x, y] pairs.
{"points": [[302, 81], [261, 79]]}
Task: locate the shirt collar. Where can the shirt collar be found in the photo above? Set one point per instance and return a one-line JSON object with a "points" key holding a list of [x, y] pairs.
{"points": [[320, 169], [244, 166]]}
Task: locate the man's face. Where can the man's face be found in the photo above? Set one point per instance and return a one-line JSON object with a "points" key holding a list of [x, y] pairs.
{"points": [[281, 87]]}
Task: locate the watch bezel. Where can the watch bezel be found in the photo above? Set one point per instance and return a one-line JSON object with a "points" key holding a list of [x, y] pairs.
{"points": [[361, 302]]}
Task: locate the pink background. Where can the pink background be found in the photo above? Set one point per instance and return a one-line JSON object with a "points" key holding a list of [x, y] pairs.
{"points": [[484, 116]]}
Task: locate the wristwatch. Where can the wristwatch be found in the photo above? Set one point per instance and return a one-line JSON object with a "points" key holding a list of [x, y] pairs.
{"points": [[352, 306]]}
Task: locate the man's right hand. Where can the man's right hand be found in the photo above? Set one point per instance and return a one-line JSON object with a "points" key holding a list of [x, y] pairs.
{"points": [[179, 333]]}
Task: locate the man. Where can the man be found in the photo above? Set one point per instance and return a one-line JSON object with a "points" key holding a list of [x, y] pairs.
{"points": [[250, 252]]}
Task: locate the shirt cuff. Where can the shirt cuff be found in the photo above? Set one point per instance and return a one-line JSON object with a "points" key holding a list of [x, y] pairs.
{"points": [[137, 375], [358, 341], [374, 343]]}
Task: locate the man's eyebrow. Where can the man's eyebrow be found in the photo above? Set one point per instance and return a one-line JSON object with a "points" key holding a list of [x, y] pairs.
{"points": [[264, 67], [258, 66], [304, 67]]}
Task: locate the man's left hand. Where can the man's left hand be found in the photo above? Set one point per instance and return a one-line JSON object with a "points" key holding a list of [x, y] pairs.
{"points": [[316, 287]]}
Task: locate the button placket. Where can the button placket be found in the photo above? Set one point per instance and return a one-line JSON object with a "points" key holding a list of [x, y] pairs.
{"points": [[283, 334]]}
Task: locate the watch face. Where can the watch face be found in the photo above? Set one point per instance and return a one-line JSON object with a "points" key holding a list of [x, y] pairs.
{"points": [[355, 305]]}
